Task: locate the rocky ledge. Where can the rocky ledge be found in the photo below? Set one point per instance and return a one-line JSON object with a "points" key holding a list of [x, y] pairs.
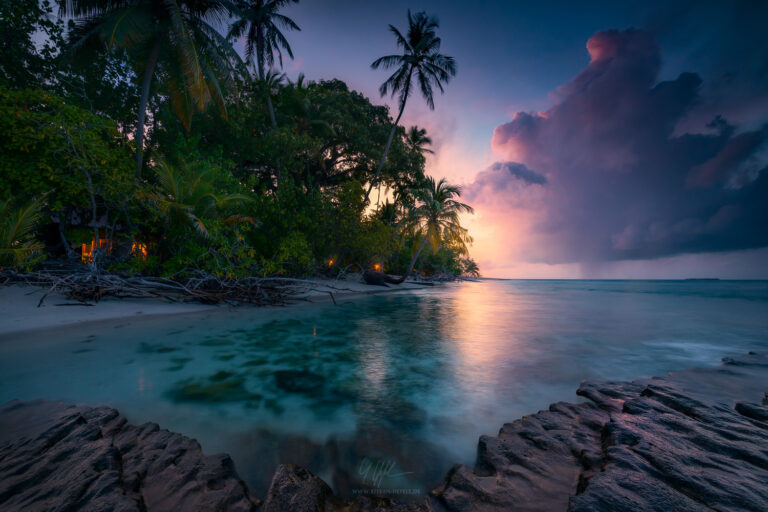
{"points": [[694, 440]]}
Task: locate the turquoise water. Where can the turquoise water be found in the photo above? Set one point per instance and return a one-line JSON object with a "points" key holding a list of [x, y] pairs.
{"points": [[385, 391]]}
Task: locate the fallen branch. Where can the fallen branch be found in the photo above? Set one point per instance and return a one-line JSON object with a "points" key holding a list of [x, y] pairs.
{"points": [[85, 286]]}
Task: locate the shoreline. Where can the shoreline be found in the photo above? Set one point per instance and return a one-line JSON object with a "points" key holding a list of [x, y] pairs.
{"points": [[687, 441], [19, 311]]}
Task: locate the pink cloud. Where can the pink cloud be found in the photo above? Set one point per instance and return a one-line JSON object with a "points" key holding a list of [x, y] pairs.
{"points": [[618, 177]]}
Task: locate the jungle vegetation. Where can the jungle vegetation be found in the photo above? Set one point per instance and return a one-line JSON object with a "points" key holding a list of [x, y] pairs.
{"points": [[137, 139]]}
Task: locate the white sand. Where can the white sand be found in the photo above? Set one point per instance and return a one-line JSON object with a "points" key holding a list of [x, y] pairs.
{"points": [[19, 309]]}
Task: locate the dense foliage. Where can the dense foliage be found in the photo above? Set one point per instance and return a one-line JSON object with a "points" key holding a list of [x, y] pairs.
{"points": [[109, 153]]}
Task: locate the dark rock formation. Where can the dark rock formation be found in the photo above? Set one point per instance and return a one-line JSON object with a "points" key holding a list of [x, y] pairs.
{"points": [[693, 441], [295, 488], [58, 457], [682, 443]]}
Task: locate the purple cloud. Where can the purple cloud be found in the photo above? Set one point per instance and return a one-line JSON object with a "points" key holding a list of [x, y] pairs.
{"points": [[621, 184]]}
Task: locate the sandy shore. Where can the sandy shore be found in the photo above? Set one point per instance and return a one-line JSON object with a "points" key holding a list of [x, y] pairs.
{"points": [[19, 311]]}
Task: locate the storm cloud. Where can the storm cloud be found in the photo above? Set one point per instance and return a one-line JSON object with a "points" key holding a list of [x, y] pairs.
{"points": [[617, 181]]}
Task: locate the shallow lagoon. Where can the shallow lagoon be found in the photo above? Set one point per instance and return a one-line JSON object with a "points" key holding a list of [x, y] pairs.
{"points": [[385, 391]]}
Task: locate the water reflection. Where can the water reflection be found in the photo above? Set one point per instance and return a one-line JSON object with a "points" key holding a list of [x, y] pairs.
{"points": [[402, 383]]}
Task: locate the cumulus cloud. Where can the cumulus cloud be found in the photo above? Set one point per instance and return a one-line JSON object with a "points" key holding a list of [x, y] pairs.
{"points": [[620, 182], [502, 178], [505, 186]]}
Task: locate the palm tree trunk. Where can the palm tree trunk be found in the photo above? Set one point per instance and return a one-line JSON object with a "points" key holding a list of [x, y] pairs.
{"points": [[389, 139], [260, 48], [272, 117], [271, 110], [413, 262], [146, 83], [274, 127]]}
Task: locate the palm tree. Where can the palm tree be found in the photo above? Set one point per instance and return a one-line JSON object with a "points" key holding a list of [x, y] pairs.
{"points": [[171, 40], [435, 218], [187, 196], [421, 59], [260, 21], [17, 242], [417, 140], [470, 268]]}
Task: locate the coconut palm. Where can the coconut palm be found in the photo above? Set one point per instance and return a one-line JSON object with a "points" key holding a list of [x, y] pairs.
{"points": [[421, 60], [260, 22], [417, 140], [435, 218], [186, 196], [470, 268], [173, 41], [17, 243]]}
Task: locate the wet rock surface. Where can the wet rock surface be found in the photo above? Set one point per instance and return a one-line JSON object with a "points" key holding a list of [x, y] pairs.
{"points": [[66, 457], [694, 440]]}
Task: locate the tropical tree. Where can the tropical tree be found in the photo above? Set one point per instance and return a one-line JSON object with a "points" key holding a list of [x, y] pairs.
{"points": [[260, 22], [171, 40], [469, 267], [188, 196], [435, 218], [17, 241], [420, 60], [417, 140], [24, 60]]}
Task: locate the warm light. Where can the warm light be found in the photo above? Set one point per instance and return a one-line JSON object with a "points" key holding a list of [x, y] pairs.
{"points": [[87, 249], [330, 263], [139, 250], [376, 266]]}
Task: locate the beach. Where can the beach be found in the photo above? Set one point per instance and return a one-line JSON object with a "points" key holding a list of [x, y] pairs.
{"points": [[25, 308]]}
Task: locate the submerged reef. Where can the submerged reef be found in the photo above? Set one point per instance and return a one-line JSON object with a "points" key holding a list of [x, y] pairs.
{"points": [[693, 440]]}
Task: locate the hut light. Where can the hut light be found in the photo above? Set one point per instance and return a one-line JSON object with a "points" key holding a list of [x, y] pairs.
{"points": [[87, 250], [330, 262], [139, 250]]}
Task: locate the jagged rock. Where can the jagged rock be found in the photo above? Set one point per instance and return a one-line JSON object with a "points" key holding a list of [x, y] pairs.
{"points": [[59, 457], [295, 488], [679, 443], [694, 440]]}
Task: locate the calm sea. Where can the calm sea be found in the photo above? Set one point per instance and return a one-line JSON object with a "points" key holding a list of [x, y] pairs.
{"points": [[385, 391]]}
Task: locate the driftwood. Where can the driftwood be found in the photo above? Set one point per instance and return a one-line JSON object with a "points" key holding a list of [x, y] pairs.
{"points": [[376, 278], [85, 286]]}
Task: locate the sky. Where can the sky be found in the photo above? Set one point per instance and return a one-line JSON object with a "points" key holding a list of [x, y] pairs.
{"points": [[594, 139]]}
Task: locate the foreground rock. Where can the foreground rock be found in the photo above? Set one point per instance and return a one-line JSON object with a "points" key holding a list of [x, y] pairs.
{"points": [[693, 441], [57, 457], [697, 440]]}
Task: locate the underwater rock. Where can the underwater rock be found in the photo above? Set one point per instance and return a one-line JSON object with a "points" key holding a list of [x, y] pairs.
{"points": [[295, 381], [218, 388], [150, 348], [67, 457], [692, 441]]}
